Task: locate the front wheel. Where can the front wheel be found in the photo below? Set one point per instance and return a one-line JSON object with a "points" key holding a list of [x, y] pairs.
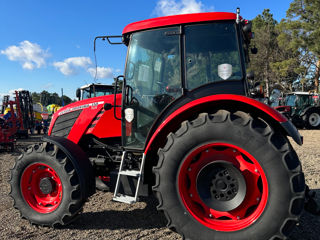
{"points": [[229, 176], [45, 186]]}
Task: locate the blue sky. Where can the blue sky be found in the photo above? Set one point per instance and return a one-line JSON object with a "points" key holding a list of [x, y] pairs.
{"points": [[48, 45]]}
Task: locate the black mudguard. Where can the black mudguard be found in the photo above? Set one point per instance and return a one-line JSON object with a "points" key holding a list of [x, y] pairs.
{"points": [[79, 160], [292, 132]]}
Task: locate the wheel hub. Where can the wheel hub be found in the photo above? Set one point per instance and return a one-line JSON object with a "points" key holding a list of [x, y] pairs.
{"points": [[314, 119], [221, 186], [46, 185]]}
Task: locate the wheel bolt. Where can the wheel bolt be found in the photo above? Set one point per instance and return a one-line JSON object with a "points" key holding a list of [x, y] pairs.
{"points": [[256, 170], [238, 217], [258, 199], [191, 195], [29, 188], [40, 203], [207, 150], [210, 215], [189, 169], [33, 171], [55, 202], [234, 150]]}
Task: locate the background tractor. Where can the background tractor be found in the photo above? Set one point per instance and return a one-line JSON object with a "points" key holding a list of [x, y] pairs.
{"points": [[220, 163], [302, 108], [94, 90]]}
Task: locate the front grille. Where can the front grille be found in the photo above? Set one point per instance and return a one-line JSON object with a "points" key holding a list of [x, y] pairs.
{"points": [[64, 123]]}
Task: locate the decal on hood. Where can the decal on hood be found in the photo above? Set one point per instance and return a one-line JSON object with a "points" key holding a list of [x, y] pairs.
{"points": [[92, 105]]}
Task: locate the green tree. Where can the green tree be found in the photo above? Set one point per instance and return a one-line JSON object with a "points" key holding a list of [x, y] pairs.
{"points": [[67, 100], [275, 64], [46, 98], [303, 24], [264, 27], [35, 97]]}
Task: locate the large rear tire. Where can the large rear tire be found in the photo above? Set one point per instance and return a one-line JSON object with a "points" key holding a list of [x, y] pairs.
{"points": [[312, 119], [229, 176], [45, 186]]}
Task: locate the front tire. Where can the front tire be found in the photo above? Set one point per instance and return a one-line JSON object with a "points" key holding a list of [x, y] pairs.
{"points": [[45, 186], [229, 176]]}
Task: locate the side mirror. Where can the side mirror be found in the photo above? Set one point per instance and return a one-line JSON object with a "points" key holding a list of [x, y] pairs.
{"points": [[107, 106], [78, 93], [250, 76], [257, 91], [254, 50], [247, 27]]}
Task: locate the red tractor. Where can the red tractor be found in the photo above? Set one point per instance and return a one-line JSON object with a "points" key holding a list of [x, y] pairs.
{"points": [[220, 163]]}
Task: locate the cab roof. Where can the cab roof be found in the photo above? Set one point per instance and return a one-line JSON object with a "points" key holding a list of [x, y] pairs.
{"points": [[177, 19], [96, 84]]}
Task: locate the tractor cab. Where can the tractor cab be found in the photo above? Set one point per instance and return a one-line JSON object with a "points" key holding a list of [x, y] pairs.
{"points": [[94, 90], [170, 63]]}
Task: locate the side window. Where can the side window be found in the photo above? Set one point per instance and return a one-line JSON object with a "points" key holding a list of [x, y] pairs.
{"points": [[212, 54], [85, 94]]}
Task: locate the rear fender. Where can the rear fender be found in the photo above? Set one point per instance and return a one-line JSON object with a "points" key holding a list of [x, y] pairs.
{"points": [[222, 101], [80, 162]]}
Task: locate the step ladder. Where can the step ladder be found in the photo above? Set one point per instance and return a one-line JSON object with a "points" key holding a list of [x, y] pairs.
{"points": [[132, 173]]}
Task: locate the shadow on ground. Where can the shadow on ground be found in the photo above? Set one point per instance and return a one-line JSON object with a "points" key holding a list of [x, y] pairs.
{"points": [[146, 218]]}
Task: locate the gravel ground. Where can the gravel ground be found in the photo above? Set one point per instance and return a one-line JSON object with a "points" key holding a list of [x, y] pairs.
{"points": [[104, 219]]}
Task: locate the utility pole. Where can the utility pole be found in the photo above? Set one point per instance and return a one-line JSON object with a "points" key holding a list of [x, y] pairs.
{"points": [[62, 102]]}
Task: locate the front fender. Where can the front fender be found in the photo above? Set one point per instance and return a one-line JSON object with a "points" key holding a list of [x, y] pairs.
{"points": [[225, 101], [80, 162]]}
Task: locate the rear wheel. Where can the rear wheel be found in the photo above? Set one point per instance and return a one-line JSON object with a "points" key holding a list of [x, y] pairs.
{"points": [[234, 178], [45, 186], [313, 120]]}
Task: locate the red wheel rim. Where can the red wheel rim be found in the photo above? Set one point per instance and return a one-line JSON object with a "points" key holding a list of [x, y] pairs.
{"points": [[41, 188], [256, 193]]}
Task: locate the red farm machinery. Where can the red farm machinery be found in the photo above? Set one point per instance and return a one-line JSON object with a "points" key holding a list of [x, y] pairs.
{"points": [[16, 118], [184, 128]]}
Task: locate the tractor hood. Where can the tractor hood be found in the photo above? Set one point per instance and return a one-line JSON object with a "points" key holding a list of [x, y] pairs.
{"points": [[76, 119]]}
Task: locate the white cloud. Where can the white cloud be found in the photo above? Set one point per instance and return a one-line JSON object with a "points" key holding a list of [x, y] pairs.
{"points": [[71, 66], [102, 72], [47, 86], [172, 7], [13, 91], [29, 54], [11, 94]]}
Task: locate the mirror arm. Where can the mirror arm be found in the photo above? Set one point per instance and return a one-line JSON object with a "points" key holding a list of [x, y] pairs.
{"points": [[115, 97]]}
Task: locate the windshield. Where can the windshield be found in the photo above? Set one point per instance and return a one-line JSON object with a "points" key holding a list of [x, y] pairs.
{"points": [[290, 100], [96, 91], [152, 81], [102, 91], [299, 100]]}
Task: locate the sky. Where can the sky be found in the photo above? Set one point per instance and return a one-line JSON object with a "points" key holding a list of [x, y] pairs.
{"points": [[48, 45]]}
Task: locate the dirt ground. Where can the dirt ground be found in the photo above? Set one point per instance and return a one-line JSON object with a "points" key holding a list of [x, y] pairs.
{"points": [[104, 219]]}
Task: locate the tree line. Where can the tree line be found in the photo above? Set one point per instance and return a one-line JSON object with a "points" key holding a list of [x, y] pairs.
{"points": [[46, 98], [288, 55]]}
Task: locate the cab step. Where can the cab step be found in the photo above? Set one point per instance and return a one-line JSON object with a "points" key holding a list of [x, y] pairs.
{"points": [[138, 174]]}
